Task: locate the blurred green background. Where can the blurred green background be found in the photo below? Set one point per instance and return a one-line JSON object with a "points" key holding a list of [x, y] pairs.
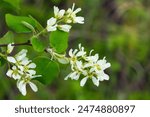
{"points": [[117, 29]]}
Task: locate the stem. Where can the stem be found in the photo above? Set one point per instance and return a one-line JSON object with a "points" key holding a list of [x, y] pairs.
{"points": [[43, 31], [17, 44]]}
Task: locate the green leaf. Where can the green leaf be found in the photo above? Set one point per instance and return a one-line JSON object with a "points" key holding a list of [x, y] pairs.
{"points": [[38, 25], [2, 61], [7, 38], [59, 40], [28, 26], [14, 3], [47, 68], [15, 23], [37, 44]]}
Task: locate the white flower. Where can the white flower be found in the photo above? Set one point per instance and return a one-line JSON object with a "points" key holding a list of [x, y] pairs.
{"points": [[89, 75], [21, 84], [18, 58], [74, 55], [58, 13], [88, 66], [77, 71], [14, 73], [72, 18], [65, 27], [51, 24], [10, 48]]}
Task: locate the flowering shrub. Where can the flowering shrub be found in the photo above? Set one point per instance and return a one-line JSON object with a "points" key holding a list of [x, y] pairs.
{"points": [[83, 65]]}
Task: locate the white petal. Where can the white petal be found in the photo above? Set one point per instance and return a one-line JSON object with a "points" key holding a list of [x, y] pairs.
{"points": [[83, 81], [61, 13], [107, 65], [33, 87], [21, 55], [79, 20], [9, 73], [11, 59], [35, 76], [65, 28], [71, 52], [95, 81], [63, 60], [31, 72], [76, 77], [16, 76], [56, 10], [52, 28], [25, 61], [21, 68], [10, 48], [51, 21], [102, 76], [80, 53], [32, 65], [22, 87], [73, 75], [77, 10], [68, 76]]}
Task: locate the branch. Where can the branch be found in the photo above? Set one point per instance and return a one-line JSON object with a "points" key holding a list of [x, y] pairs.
{"points": [[17, 44]]}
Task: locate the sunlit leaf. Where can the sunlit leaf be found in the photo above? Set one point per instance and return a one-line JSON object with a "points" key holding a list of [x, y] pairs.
{"points": [[59, 40], [15, 23]]}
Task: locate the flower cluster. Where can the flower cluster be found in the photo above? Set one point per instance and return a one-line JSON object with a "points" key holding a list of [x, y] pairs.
{"points": [[22, 70], [62, 19], [88, 66]]}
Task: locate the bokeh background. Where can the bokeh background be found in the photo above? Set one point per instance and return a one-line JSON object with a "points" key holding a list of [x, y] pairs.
{"points": [[117, 29]]}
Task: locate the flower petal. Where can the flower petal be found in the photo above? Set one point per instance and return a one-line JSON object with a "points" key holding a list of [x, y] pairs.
{"points": [[22, 87], [56, 10], [9, 73], [51, 21], [11, 59], [95, 81], [65, 28], [31, 72], [79, 20], [33, 87], [10, 48], [83, 81], [32, 65], [63, 60]]}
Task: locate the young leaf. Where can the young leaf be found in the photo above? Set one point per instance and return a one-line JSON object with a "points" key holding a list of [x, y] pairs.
{"points": [[47, 68], [59, 40], [15, 23], [37, 44], [7, 38], [38, 25], [28, 26]]}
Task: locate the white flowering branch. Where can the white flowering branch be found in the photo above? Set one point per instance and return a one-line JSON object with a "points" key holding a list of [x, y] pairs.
{"points": [[84, 66]]}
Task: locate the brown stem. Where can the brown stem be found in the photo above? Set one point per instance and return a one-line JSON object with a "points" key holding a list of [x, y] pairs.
{"points": [[17, 44]]}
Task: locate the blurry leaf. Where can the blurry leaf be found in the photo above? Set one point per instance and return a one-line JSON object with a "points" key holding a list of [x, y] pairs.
{"points": [[37, 44], [7, 38], [47, 68], [14, 3], [37, 24], [15, 23], [59, 40], [2, 61]]}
